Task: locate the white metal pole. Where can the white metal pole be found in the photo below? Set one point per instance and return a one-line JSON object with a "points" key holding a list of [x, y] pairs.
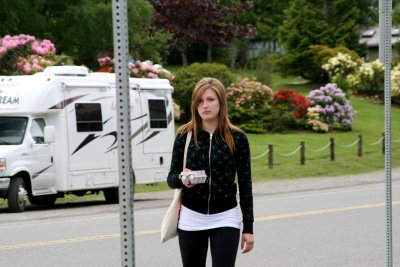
{"points": [[126, 175], [385, 50]]}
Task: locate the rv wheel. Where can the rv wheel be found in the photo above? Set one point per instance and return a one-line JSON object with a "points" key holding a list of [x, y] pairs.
{"points": [[111, 195], [17, 195], [46, 200]]}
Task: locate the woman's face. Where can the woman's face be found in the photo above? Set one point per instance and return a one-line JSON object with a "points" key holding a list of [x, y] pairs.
{"points": [[208, 107]]}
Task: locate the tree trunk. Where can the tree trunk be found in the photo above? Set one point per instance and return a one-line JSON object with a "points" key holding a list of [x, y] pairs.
{"points": [[325, 9], [184, 57], [233, 53], [209, 53]]}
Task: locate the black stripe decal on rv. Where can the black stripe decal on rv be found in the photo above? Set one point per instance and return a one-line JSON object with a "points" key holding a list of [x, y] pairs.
{"points": [[87, 140], [66, 102], [40, 172], [150, 136], [91, 137]]}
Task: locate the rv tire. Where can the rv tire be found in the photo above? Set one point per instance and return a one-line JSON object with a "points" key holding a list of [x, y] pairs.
{"points": [[111, 195], [46, 200], [17, 195]]}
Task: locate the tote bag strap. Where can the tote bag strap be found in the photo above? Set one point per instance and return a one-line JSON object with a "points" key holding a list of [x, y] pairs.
{"points": [[188, 137]]}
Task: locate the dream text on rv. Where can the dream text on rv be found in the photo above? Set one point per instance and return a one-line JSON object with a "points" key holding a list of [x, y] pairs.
{"points": [[9, 100]]}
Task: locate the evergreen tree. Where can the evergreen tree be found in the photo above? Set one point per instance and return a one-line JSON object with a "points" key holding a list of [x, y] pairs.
{"points": [[269, 15], [342, 17], [303, 27], [318, 22]]}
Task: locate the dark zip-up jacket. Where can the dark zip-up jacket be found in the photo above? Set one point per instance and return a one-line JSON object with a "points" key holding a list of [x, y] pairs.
{"points": [[219, 192]]}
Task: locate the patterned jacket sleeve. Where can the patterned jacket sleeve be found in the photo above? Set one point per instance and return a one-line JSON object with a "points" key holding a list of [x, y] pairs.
{"points": [[176, 162], [243, 167]]}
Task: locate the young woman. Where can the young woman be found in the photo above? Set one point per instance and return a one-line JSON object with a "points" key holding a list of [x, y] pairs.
{"points": [[209, 212]]}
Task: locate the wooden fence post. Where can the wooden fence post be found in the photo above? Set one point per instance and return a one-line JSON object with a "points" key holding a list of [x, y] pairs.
{"points": [[332, 146], [270, 156], [360, 141], [302, 153], [383, 143]]}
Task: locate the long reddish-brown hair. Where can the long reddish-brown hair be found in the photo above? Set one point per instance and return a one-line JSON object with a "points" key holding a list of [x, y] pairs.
{"points": [[224, 127]]}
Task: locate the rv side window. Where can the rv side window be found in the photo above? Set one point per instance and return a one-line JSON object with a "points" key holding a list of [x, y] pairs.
{"points": [[37, 130], [158, 113], [88, 117]]}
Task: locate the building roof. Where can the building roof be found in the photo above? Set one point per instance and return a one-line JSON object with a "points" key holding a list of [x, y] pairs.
{"points": [[371, 36]]}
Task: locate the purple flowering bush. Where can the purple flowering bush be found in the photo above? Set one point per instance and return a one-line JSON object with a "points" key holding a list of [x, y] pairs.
{"points": [[332, 107], [24, 54]]}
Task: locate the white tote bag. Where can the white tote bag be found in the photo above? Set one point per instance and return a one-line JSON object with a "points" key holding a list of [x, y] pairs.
{"points": [[169, 226]]}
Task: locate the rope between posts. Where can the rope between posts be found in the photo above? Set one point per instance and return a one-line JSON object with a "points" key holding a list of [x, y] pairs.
{"points": [[289, 154], [321, 149], [375, 143], [260, 156], [358, 140]]}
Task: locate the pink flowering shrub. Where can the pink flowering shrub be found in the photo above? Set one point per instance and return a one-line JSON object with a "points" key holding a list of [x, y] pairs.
{"points": [[249, 103], [24, 54], [137, 69]]}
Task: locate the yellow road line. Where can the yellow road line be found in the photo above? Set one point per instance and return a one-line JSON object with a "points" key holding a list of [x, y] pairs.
{"points": [[73, 240], [323, 211], [157, 231]]}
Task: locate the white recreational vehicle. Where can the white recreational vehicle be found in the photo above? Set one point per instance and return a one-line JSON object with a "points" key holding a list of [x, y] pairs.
{"points": [[58, 134]]}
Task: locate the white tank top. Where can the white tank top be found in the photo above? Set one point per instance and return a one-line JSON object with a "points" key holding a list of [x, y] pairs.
{"points": [[190, 220]]}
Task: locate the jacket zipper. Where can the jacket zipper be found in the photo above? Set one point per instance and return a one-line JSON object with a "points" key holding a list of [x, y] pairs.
{"points": [[209, 181]]}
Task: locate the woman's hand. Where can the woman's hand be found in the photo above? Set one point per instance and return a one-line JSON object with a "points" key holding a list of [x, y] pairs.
{"points": [[190, 185], [247, 242]]}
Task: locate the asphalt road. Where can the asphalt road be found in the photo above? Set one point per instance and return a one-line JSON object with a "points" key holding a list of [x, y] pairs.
{"points": [[309, 222]]}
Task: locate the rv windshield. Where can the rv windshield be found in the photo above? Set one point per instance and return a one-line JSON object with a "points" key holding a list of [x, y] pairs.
{"points": [[12, 130]]}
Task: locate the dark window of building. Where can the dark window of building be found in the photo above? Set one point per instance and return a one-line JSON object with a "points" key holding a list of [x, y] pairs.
{"points": [[88, 117]]}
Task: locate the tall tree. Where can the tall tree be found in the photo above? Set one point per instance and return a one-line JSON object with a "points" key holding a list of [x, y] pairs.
{"points": [[342, 17], [200, 21], [269, 15], [223, 24], [84, 30], [19, 16], [327, 22], [303, 27]]}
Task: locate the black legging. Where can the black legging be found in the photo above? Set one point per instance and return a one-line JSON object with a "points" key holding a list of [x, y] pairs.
{"points": [[224, 243]]}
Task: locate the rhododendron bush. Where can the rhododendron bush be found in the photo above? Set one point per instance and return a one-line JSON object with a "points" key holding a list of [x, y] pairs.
{"points": [[24, 54], [137, 69], [249, 102], [289, 110], [331, 109], [255, 108]]}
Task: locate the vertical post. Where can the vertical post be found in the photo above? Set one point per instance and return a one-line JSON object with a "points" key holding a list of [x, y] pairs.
{"points": [[360, 143], [302, 153], [385, 52], [332, 148], [270, 156], [126, 175]]}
